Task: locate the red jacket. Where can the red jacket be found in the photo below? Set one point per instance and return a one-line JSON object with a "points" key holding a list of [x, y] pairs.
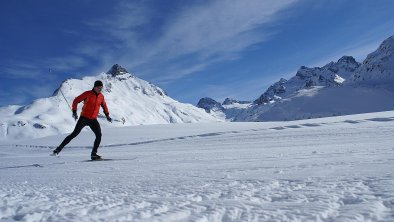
{"points": [[92, 103]]}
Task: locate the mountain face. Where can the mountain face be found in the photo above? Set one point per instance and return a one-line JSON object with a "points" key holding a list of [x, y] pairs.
{"points": [[209, 105], [117, 70], [230, 101], [338, 88], [330, 75], [378, 67], [130, 100], [229, 109]]}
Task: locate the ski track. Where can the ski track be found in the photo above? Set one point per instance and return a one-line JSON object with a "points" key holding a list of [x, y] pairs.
{"points": [[337, 171], [385, 119]]}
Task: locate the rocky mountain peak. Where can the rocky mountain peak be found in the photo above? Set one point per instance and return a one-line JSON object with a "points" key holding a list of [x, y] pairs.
{"points": [[306, 72], [275, 89], [230, 101], [343, 68], [117, 70], [332, 74], [378, 66], [347, 60], [387, 45], [209, 104]]}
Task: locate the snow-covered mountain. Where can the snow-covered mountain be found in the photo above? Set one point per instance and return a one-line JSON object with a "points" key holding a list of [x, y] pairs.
{"points": [[330, 75], [378, 67], [131, 101], [338, 88], [210, 105], [229, 109]]}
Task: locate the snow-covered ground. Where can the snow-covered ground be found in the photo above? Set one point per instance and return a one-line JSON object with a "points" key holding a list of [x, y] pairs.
{"points": [[331, 169]]}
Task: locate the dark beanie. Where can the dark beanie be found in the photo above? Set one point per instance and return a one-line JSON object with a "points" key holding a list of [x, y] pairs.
{"points": [[98, 83]]}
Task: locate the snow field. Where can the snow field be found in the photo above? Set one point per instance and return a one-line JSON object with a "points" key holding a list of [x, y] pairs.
{"points": [[331, 169]]}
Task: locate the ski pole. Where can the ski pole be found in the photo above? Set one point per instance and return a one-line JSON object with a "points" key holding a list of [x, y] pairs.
{"points": [[66, 100]]}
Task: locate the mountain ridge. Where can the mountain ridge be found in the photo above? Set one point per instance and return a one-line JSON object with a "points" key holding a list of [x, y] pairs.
{"points": [[307, 93]]}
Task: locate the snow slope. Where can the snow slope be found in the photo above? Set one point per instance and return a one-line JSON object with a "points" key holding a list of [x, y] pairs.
{"points": [[378, 67], [328, 169], [319, 102], [131, 101]]}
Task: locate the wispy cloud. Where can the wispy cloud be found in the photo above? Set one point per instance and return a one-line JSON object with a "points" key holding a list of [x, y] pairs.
{"points": [[215, 32], [23, 94], [201, 34], [21, 71], [204, 34], [37, 91], [219, 28], [119, 28], [361, 45], [66, 63], [10, 98], [43, 68]]}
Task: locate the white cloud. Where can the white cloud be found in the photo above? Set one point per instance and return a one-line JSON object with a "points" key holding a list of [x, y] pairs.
{"points": [[66, 63], [215, 32], [202, 34], [121, 28], [38, 91], [44, 68], [22, 71], [9, 98], [24, 94], [219, 28]]}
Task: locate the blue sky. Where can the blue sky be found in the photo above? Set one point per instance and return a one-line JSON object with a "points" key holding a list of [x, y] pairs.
{"points": [[190, 48]]}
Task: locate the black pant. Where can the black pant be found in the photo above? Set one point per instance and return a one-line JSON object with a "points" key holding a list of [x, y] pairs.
{"points": [[82, 122]]}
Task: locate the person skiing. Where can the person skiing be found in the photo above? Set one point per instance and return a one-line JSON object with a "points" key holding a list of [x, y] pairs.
{"points": [[93, 99]]}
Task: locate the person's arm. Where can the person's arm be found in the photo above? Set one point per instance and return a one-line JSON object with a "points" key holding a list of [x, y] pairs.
{"points": [[79, 99], [106, 112], [105, 108]]}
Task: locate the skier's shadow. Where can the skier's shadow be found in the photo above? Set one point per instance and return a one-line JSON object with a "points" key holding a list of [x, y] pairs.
{"points": [[114, 159], [38, 165], [29, 165]]}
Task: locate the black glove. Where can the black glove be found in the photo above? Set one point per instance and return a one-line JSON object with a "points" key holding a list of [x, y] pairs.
{"points": [[75, 115], [109, 118]]}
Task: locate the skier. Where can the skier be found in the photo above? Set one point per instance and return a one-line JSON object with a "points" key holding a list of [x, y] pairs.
{"points": [[93, 99]]}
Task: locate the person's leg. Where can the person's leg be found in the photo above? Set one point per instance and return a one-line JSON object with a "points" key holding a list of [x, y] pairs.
{"points": [[82, 122], [95, 126]]}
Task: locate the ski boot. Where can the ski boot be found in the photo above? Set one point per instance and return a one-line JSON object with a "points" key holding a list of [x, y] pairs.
{"points": [[56, 152], [94, 156]]}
